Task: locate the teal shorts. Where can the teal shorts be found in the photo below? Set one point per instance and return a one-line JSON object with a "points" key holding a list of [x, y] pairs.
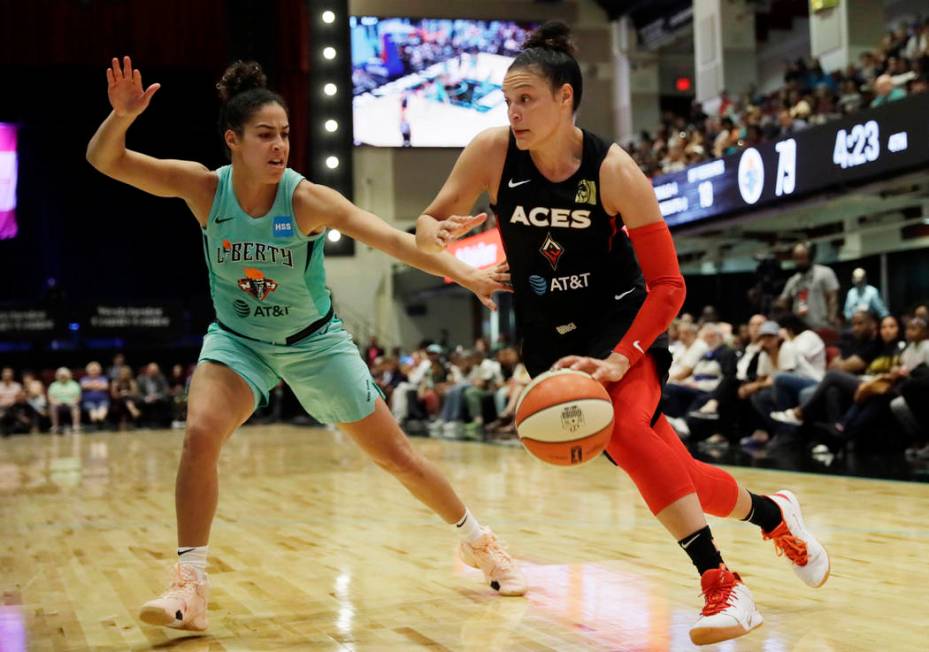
{"points": [[324, 370]]}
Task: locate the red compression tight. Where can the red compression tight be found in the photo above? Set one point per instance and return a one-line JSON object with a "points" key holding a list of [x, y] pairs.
{"points": [[659, 464]]}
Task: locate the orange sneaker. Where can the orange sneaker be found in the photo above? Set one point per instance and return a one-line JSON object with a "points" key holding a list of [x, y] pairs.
{"points": [[499, 569], [729, 611], [183, 605], [792, 540]]}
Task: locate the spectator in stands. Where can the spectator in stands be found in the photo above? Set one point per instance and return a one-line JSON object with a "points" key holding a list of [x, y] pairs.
{"points": [[64, 399], [434, 384], [95, 394], [373, 351], [725, 408], [35, 395], [863, 347], [689, 352], [918, 43], [867, 352], [862, 296], [486, 377], [802, 363], [9, 389], [717, 367], [885, 91], [761, 390], [813, 291], [18, 418], [868, 67], [155, 401], [515, 380], [922, 312], [125, 394], [387, 375], [178, 386], [405, 400], [850, 101], [861, 423], [119, 361]]}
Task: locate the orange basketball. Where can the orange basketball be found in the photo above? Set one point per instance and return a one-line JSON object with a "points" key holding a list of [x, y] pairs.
{"points": [[564, 417]]}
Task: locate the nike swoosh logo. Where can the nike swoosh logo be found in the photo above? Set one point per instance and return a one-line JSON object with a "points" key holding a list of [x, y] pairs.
{"points": [[637, 346], [220, 221], [620, 296], [692, 539], [181, 552], [518, 183]]}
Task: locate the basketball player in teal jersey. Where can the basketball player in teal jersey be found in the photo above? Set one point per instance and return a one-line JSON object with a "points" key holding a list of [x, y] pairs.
{"points": [[263, 227]]}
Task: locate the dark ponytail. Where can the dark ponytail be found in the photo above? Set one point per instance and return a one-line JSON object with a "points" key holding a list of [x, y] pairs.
{"points": [[243, 90], [549, 51]]}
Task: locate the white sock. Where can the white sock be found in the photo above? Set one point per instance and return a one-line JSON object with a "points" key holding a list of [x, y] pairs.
{"points": [[194, 556], [469, 530]]}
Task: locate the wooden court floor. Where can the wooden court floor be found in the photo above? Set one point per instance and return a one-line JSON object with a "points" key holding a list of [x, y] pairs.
{"points": [[314, 548]]}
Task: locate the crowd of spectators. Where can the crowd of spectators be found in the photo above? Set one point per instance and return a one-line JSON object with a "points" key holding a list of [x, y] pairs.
{"points": [[69, 400], [810, 371], [806, 376], [452, 392], [810, 96]]}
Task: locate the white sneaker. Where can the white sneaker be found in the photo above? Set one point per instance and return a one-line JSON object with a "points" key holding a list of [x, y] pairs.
{"points": [[791, 538], [729, 611], [500, 571], [786, 416]]}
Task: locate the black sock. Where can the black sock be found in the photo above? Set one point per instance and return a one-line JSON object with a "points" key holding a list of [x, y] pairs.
{"points": [[701, 550], [765, 513]]}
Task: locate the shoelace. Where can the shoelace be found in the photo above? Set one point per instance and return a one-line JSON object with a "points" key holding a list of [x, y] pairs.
{"points": [[492, 548], [787, 544], [717, 596], [182, 584]]}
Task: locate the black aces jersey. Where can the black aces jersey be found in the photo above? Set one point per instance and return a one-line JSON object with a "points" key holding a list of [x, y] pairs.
{"points": [[577, 284]]}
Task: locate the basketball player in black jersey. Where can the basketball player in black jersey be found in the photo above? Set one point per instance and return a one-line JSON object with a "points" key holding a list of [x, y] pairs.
{"points": [[596, 283]]}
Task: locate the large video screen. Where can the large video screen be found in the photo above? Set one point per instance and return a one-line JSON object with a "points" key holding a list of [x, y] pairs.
{"points": [[427, 82], [8, 168]]}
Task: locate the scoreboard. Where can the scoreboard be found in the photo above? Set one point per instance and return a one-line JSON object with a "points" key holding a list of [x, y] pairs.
{"points": [[866, 146]]}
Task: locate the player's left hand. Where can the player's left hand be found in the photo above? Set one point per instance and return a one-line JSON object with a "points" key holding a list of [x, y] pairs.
{"points": [[606, 371], [484, 282]]}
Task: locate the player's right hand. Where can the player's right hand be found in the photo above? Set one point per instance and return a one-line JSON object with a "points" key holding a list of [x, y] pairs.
{"points": [[434, 235], [124, 88]]}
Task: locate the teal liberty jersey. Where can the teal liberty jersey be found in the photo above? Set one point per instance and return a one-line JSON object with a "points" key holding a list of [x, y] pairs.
{"points": [[266, 277]]}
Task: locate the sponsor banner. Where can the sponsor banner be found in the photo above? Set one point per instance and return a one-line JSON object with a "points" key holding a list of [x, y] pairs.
{"points": [[26, 322]]}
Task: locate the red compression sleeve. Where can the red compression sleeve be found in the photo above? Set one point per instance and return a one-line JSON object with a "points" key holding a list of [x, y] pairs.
{"points": [[655, 252]]}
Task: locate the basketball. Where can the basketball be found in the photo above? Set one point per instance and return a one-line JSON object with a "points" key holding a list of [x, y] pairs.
{"points": [[564, 417]]}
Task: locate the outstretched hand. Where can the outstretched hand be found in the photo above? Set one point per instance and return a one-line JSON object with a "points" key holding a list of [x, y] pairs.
{"points": [[124, 88], [484, 282], [437, 234]]}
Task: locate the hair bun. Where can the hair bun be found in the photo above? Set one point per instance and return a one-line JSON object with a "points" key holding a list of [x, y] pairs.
{"points": [[240, 77], [553, 35]]}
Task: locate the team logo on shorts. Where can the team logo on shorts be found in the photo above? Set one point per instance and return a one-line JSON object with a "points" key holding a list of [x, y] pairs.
{"points": [[586, 192], [551, 250], [572, 418], [257, 284]]}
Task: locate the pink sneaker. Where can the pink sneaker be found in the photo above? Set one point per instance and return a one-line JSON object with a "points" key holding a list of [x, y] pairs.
{"points": [[498, 567], [183, 605]]}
